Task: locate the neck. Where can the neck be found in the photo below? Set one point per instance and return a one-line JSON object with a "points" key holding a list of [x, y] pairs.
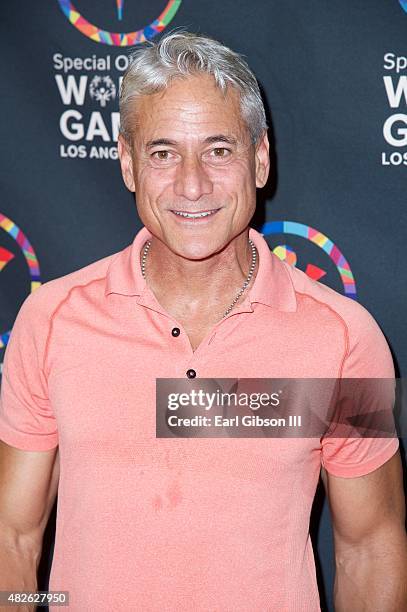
{"points": [[186, 286]]}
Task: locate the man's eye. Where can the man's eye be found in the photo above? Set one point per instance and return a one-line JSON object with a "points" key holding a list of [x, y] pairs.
{"points": [[220, 152], [161, 155]]}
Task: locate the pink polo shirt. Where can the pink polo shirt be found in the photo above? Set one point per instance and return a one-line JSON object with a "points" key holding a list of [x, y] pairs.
{"points": [[203, 524]]}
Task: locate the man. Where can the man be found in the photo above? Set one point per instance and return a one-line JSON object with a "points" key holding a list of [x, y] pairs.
{"points": [[147, 523]]}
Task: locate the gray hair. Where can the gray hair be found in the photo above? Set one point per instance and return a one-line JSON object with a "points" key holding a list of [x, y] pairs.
{"points": [[182, 54]]}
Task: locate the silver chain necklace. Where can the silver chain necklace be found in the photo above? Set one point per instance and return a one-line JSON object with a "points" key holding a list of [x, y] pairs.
{"points": [[241, 291]]}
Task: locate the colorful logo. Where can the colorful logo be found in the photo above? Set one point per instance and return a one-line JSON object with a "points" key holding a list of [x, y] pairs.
{"points": [[286, 253], [30, 257], [403, 4], [119, 39]]}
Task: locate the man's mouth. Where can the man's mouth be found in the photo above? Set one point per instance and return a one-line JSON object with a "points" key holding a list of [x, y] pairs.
{"points": [[195, 215]]}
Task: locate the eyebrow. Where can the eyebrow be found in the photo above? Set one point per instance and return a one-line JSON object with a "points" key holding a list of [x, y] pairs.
{"points": [[220, 138], [160, 142]]}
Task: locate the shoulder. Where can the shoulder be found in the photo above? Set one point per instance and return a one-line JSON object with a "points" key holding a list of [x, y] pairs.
{"points": [[45, 300], [367, 350], [353, 315]]}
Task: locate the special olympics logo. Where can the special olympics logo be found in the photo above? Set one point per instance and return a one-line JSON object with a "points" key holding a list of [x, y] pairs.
{"points": [[30, 257], [119, 39], [286, 253], [102, 89]]}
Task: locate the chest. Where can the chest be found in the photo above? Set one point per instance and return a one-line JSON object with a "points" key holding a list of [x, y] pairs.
{"points": [[197, 330], [102, 370]]}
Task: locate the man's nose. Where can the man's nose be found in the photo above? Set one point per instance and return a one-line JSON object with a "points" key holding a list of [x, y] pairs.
{"points": [[192, 181]]}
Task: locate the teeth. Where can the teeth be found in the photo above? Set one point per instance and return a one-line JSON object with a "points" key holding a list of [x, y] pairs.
{"points": [[194, 215]]}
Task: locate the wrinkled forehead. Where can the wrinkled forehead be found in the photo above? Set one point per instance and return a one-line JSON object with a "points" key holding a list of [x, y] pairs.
{"points": [[193, 108]]}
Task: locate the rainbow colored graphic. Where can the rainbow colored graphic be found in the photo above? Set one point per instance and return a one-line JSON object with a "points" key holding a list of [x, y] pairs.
{"points": [[322, 241], [32, 262], [5, 257], [286, 253], [119, 4], [119, 39]]}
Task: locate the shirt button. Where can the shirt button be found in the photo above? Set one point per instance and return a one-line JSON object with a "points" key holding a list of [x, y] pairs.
{"points": [[175, 332], [191, 373]]}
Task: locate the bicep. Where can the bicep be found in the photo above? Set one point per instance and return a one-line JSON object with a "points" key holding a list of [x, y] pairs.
{"points": [[361, 506], [28, 488]]}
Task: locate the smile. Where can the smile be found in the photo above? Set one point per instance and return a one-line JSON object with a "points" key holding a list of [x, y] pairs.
{"points": [[195, 215]]}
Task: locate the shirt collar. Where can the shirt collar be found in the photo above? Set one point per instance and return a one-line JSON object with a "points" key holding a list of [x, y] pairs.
{"points": [[272, 286], [124, 273]]}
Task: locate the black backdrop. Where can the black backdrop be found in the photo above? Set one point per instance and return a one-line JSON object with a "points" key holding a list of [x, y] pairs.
{"points": [[334, 76]]}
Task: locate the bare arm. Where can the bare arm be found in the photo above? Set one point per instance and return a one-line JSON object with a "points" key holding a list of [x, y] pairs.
{"points": [[368, 515], [28, 487]]}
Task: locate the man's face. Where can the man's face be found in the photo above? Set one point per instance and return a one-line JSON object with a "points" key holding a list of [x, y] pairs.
{"points": [[192, 155]]}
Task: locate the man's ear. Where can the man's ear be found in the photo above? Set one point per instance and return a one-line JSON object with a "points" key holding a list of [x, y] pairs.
{"points": [[126, 162], [262, 160]]}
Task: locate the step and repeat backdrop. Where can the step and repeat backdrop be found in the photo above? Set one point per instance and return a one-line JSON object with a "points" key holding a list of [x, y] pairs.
{"points": [[334, 78]]}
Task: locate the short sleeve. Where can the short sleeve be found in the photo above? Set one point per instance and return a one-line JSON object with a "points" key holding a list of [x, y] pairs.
{"points": [[27, 421], [368, 356]]}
